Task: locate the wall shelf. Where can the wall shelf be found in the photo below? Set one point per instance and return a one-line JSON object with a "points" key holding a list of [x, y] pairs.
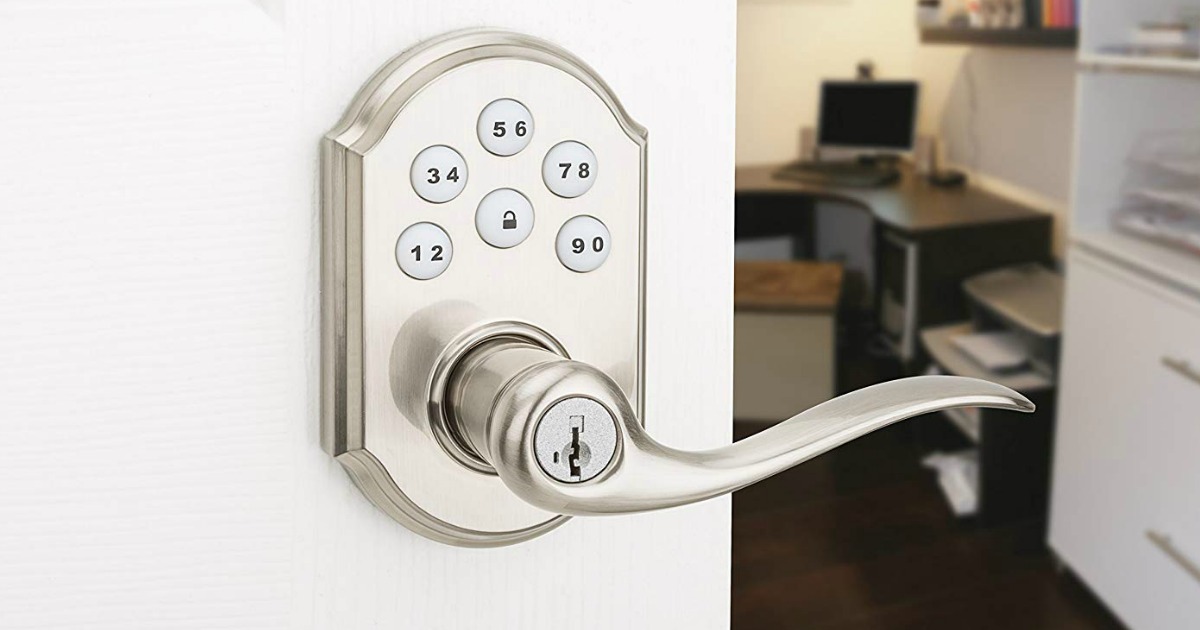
{"points": [[1022, 37]]}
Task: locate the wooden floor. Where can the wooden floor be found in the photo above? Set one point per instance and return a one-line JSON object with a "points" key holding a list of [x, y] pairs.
{"points": [[861, 538]]}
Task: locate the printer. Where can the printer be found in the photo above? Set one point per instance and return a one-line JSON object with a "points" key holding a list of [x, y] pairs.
{"points": [[1019, 308], [1012, 338]]}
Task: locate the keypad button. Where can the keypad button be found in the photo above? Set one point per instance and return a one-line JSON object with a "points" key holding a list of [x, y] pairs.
{"points": [[438, 174], [583, 244], [423, 251], [504, 218], [569, 169], [505, 127]]}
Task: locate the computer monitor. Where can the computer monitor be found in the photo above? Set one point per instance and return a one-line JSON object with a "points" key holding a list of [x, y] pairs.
{"points": [[868, 115]]}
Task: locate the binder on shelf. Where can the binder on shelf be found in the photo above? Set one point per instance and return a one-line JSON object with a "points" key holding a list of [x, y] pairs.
{"points": [[1033, 13]]}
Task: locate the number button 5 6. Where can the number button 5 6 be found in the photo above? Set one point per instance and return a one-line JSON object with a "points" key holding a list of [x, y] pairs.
{"points": [[505, 127]]}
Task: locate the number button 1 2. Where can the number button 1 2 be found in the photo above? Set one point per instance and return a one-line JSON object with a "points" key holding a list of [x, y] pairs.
{"points": [[423, 251]]}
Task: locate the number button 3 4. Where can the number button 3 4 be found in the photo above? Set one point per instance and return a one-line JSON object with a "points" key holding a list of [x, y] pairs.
{"points": [[438, 174]]}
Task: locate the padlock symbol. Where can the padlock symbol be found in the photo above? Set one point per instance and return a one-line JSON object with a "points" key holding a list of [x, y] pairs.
{"points": [[510, 220]]}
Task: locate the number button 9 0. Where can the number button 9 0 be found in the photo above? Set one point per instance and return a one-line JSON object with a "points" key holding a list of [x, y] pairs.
{"points": [[438, 174], [583, 244], [569, 169]]}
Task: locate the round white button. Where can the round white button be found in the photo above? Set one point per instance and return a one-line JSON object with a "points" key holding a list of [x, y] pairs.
{"points": [[438, 174], [504, 218], [582, 244], [569, 169], [424, 251], [505, 127]]}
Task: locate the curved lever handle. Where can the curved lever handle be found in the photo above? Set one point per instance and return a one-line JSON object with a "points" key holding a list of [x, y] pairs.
{"points": [[511, 399]]}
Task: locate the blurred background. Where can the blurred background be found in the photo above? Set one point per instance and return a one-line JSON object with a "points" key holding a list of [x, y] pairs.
{"points": [[1004, 189]]}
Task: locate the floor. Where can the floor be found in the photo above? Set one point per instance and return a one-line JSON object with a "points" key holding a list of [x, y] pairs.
{"points": [[860, 538]]}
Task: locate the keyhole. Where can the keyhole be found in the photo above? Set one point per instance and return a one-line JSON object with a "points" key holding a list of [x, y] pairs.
{"points": [[575, 440], [576, 454], [573, 453]]}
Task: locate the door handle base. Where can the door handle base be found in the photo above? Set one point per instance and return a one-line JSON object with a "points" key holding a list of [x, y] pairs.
{"points": [[389, 315]]}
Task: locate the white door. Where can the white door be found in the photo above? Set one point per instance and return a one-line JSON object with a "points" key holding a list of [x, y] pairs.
{"points": [[159, 322]]}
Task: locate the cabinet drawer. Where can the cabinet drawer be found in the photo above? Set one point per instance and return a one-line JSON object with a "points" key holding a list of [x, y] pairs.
{"points": [[1125, 512]]}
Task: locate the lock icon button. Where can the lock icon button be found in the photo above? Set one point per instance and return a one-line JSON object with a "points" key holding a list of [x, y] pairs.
{"points": [[504, 218]]}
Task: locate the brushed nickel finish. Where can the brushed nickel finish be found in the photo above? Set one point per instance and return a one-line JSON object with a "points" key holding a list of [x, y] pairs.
{"points": [[389, 341], [505, 391]]}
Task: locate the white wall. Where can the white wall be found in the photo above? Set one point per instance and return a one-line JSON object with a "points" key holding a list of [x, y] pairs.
{"points": [[158, 323], [786, 47], [1005, 114]]}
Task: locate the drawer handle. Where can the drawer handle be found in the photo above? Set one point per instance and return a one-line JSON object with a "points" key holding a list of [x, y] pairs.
{"points": [[1163, 542], [1183, 368]]}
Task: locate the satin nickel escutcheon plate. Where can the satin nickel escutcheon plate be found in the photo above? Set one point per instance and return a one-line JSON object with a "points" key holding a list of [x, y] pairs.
{"points": [[389, 341]]}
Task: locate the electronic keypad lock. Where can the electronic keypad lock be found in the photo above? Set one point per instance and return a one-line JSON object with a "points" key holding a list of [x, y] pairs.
{"points": [[483, 274]]}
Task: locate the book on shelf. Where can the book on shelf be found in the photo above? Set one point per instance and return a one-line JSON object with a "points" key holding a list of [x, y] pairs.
{"points": [[1057, 13], [1033, 13]]}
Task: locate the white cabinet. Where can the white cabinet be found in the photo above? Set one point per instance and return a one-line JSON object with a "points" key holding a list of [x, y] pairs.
{"points": [[1127, 462], [1125, 504]]}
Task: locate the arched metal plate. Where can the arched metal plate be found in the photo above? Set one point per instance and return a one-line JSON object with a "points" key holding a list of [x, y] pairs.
{"points": [[378, 375]]}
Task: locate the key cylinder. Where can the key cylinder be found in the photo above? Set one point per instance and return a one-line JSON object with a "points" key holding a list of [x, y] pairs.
{"points": [[575, 440]]}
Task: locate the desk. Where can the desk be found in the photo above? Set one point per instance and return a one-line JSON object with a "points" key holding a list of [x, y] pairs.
{"points": [[910, 206], [927, 240]]}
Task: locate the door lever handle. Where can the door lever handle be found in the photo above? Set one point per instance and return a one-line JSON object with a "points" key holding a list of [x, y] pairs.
{"points": [[563, 437]]}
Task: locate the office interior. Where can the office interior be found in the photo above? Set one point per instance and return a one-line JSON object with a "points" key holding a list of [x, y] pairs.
{"points": [[1039, 229]]}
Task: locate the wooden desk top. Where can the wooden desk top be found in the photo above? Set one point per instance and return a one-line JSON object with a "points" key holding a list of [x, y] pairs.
{"points": [[912, 205], [787, 286]]}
